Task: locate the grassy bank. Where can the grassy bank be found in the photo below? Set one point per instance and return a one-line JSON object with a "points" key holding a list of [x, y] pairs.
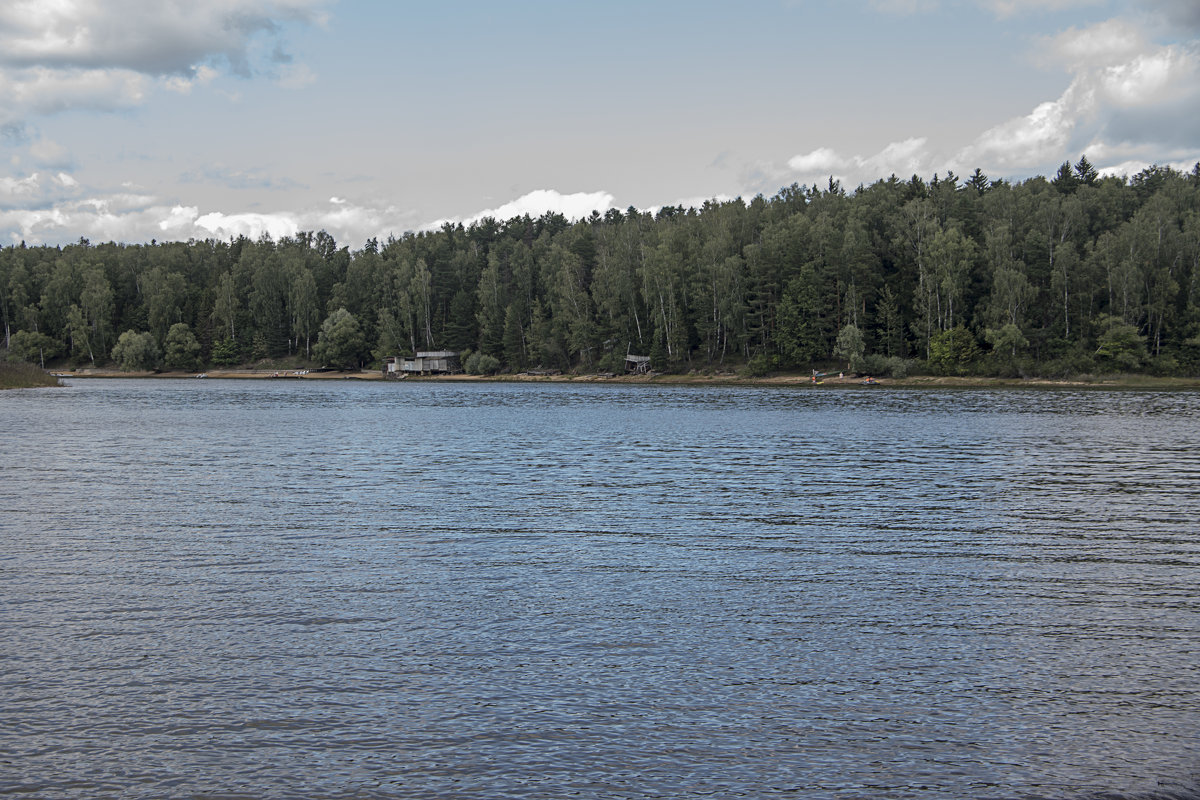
{"points": [[24, 376]]}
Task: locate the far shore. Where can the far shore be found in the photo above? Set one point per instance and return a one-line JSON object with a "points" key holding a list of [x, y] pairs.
{"points": [[689, 379]]}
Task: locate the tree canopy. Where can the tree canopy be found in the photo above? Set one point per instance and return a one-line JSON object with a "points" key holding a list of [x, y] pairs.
{"points": [[1074, 273]]}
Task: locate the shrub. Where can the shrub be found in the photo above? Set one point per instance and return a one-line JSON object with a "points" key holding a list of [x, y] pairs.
{"points": [[953, 352], [1121, 347], [885, 366], [136, 351], [481, 364], [1072, 362], [760, 365], [226, 353], [340, 342], [182, 351], [876, 364], [34, 347], [1165, 365], [611, 362], [900, 367]]}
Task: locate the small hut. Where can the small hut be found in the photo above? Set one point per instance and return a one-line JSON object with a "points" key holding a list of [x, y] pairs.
{"points": [[637, 364], [433, 362]]}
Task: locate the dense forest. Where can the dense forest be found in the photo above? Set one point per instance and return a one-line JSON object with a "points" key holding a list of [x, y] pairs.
{"points": [[1074, 274]]}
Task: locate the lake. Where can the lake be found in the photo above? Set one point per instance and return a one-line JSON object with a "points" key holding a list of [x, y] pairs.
{"points": [[339, 589]]}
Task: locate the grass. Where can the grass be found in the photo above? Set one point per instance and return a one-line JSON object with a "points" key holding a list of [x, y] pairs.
{"points": [[25, 376]]}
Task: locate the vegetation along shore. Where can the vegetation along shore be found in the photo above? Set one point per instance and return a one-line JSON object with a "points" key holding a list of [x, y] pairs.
{"points": [[24, 376], [969, 278]]}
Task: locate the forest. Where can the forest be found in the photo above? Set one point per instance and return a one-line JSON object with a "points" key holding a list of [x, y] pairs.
{"points": [[1075, 274]]}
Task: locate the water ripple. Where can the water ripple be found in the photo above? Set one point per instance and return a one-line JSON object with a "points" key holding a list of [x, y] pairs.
{"points": [[215, 589]]}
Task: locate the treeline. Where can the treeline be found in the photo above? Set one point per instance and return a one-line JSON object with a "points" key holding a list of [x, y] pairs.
{"points": [[1072, 274]]}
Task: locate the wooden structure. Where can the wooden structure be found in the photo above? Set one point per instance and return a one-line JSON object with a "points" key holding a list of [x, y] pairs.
{"points": [[638, 364], [432, 362]]}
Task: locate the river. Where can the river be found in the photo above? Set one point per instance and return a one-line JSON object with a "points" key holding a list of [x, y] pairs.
{"points": [[307, 589]]}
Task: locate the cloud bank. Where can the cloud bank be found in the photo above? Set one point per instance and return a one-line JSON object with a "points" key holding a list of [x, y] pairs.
{"points": [[1130, 102], [69, 54], [536, 204], [40, 209]]}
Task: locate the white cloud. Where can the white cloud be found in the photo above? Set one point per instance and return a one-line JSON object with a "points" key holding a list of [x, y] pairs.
{"points": [[1153, 78], [1110, 42], [823, 159], [904, 158], [537, 203], [136, 218], [253, 226], [147, 36], [1118, 95], [36, 216], [201, 76], [42, 90], [19, 187], [1129, 100], [61, 54], [179, 222], [690, 202], [1133, 167], [131, 217], [353, 223], [1039, 137]]}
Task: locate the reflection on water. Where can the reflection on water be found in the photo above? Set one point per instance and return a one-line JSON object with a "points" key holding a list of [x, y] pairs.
{"points": [[221, 589]]}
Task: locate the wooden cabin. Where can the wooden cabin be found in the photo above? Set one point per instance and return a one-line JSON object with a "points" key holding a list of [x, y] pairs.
{"points": [[432, 362]]}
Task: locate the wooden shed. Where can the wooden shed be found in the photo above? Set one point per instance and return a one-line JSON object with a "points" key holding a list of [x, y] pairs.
{"points": [[432, 362], [639, 364]]}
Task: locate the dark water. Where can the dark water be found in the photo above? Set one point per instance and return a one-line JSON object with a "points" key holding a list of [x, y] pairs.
{"points": [[338, 590]]}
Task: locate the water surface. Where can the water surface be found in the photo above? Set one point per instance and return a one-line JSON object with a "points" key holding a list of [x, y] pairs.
{"points": [[292, 589]]}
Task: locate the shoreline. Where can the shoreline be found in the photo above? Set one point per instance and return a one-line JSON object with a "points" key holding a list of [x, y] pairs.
{"points": [[719, 379]]}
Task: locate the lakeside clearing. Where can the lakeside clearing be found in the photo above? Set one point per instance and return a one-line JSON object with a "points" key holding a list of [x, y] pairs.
{"points": [[691, 379]]}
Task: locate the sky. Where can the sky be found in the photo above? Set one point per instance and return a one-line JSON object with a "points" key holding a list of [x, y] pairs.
{"points": [[140, 120]]}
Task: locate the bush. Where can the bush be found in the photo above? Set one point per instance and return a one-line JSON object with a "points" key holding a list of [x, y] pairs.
{"points": [[136, 351], [876, 364], [1122, 348], [1165, 365], [33, 347], [481, 364], [340, 342], [886, 367], [1073, 362], [953, 352], [612, 362], [182, 351], [900, 367], [226, 353], [760, 365]]}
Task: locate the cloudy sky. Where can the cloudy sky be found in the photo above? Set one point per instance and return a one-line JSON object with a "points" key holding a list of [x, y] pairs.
{"points": [[134, 120]]}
